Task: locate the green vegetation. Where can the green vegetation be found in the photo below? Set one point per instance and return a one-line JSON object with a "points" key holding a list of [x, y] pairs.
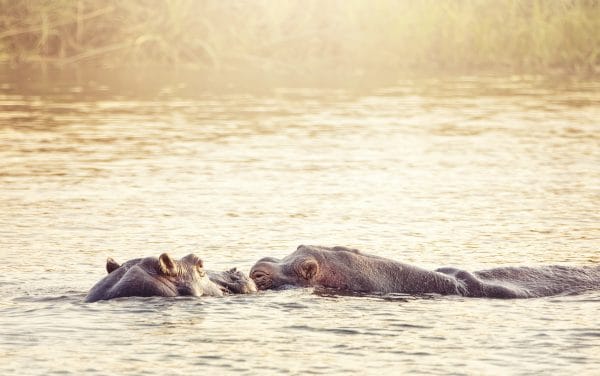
{"points": [[525, 36]]}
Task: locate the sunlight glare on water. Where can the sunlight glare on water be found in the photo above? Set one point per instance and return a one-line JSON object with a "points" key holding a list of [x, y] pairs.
{"points": [[469, 173]]}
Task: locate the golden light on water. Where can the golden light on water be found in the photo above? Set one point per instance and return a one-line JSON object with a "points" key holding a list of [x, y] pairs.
{"points": [[437, 133]]}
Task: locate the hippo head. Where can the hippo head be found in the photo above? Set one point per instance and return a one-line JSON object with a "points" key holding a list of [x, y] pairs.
{"points": [[307, 266], [151, 276], [185, 274], [233, 281]]}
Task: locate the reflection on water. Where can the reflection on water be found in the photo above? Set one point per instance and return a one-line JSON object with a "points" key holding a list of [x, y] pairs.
{"points": [[469, 173]]}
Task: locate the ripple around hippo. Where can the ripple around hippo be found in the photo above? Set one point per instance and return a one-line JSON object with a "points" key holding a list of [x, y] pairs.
{"points": [[351, 270]]}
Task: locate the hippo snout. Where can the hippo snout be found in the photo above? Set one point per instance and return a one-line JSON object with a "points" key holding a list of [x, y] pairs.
{"points": [[261, 274]]}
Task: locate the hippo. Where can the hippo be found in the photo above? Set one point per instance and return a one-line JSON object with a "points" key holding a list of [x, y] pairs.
{"points": [[164, 276], [232, 281], [351, 270]]}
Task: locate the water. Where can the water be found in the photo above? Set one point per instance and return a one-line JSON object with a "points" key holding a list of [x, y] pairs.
{"points": [[468, 173]]}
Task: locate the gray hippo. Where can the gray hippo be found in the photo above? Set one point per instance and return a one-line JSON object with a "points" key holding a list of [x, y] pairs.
{"points": [[351, 270], [164, 276]]}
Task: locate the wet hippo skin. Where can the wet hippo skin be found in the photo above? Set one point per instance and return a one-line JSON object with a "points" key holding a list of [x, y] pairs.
{"points": [[164, 276], [351, 270]]}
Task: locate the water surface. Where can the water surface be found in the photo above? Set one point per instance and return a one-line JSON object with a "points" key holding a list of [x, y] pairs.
{"points": [[469, 173]]}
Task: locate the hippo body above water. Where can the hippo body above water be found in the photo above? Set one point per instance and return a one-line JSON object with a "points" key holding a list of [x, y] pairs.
{"points": [[351, 270], [164, 276]]}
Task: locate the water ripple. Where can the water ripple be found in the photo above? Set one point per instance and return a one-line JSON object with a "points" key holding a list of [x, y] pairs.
{"points": [[464, 173]]}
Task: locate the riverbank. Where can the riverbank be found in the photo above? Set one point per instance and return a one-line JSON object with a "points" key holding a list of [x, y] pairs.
{"points": [[308, 37]]}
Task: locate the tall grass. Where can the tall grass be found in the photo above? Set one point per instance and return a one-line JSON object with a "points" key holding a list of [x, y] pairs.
{"points": [[299, 35]]}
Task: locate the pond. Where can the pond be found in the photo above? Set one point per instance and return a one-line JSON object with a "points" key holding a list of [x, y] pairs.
{"points": [[468, 172]]}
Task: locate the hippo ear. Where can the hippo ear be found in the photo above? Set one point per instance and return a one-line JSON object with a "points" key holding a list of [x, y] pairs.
{"points": [[166, 264], [200, 267], [111, 265], [309, 269]]}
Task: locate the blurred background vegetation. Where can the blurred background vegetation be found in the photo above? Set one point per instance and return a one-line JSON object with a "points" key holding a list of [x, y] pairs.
{"points": [[460, 36]]}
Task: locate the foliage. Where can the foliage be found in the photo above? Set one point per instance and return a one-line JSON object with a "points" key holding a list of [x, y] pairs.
{"points": [[434, 35]]}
